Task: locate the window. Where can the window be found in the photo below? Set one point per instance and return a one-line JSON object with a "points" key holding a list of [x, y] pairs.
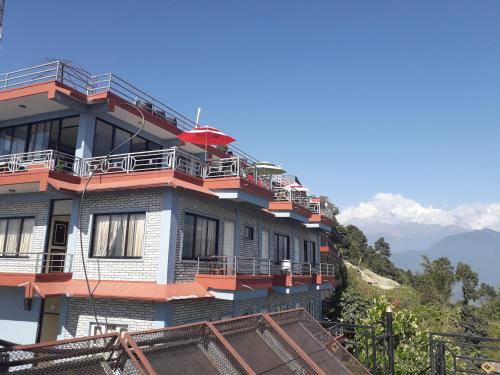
{"points": [[323, 241], [107, 137], [265, 244], [200, 237], [58, 134], [282, 247], [107, 328], [310, 307], [310, 252], [249, 233], [16, 235], [118, 235]]}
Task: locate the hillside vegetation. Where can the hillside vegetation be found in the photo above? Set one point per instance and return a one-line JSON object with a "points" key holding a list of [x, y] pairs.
{"points": [[421, 301]]}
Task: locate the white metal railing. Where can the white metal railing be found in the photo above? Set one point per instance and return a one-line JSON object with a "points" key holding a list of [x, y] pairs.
{"points": [[46, 159], [326, 269], [291, 195], [315, 207], [36, 262], [171, 158], [288, 267], [236, 167], [233, 265]]}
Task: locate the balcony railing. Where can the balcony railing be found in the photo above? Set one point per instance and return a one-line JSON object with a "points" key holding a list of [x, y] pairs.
{"points": [[236, 167], [36, 262], [291, 195], [326, 269], [233, 265], [47, 159], [171, 158]]}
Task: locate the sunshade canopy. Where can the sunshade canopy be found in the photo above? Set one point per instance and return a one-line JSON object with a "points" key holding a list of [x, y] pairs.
{"points": [[206, 135], [267, 168]]}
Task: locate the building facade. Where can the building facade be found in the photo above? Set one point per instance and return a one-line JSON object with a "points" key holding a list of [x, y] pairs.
{"points": [[159, 233]]}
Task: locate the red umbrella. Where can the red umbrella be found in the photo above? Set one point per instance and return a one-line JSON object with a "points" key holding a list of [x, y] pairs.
{"points": [[206, 135]]}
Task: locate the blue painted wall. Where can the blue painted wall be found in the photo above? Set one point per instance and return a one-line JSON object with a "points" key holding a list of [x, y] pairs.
{"points": [[16, 324]]}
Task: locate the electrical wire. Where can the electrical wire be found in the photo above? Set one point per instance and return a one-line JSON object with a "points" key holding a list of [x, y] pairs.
{"points": [[80, 212]]}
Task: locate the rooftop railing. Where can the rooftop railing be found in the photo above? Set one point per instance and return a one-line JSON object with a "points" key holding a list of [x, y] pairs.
{"points": [[86, 83]]}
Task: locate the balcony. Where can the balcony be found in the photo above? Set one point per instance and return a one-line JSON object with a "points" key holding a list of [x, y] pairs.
{"points": [[325, 274], [322, 217], [18, 268], [238, 180], [230, 178], [234, 273], [290, 274]]}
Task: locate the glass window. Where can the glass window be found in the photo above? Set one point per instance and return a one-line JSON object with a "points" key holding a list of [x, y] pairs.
{"points": [[69, 134], [118, 235], [16, 235], [138, 145], [108, 136], [310, 252], [200, 237], [5, 141], [102, 138], [281, 247], [119, 137], [19, 138], [249, 233], [58, 134]]}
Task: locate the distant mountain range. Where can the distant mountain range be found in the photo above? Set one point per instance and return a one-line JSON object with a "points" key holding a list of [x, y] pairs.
{"points": [[478, 248], [409, 241], [409, 236]]}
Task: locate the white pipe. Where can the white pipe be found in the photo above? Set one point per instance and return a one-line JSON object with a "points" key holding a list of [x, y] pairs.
{"points": [[198, 116]]}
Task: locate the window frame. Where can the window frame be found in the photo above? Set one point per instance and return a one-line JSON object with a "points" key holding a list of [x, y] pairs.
{"points": [[250, 235], [313, 252], [196, 216], [110, 214], [29, 132], [17, 254], [113, 135], [277, 252]]}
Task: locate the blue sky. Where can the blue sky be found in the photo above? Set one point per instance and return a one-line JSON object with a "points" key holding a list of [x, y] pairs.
{"points": [[355, 97]]}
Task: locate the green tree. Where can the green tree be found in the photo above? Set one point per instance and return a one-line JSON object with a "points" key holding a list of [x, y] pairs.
{"points": [[469, 280], [435, 284], [382, 248]]}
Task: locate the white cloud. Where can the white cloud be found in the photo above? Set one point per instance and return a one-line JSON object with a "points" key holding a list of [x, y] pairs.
{"points": [[394, 209]]}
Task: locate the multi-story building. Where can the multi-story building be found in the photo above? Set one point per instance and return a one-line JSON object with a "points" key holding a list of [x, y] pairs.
{"points": [[165, 233]]}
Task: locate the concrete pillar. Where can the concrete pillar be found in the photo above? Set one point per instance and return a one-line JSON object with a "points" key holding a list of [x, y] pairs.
{"points": [[85, 138]]}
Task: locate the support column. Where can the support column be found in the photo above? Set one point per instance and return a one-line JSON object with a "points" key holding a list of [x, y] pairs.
{"points": [[168, 237], [237, 232], [85, 137]]}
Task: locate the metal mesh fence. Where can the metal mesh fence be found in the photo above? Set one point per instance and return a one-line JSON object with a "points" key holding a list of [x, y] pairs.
{"points": [[87, 356], [262, 347], [191, 349], [316, 342]]}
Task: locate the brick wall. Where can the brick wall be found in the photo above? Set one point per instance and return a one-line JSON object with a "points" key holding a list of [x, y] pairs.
{"points": [[38, 209], [145, 268], [223, 210], [138, 316], [201, 205], [196, 310]]}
